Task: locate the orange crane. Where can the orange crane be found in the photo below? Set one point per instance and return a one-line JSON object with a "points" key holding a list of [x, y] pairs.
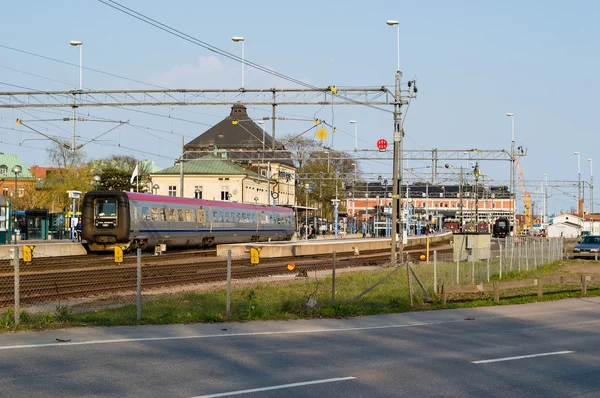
{"points": [[526, 197]]}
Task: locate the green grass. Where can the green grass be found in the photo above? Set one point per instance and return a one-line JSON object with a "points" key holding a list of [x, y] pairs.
{"points": [[304, 298]]}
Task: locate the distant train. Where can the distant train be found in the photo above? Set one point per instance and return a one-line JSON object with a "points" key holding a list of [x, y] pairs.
{"points": [[501, 227], [138, 220]]}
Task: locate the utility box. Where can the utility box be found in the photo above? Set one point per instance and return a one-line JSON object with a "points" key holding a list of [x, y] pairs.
{"points": [[472, 246]]}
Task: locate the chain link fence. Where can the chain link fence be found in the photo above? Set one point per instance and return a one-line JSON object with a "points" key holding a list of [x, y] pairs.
{"points": [[191, 287]]}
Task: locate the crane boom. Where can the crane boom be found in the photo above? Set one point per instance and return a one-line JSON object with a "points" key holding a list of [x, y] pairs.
{"points": [[525, 196]]}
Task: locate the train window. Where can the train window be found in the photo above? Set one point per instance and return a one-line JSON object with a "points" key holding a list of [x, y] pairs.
{"points": [[264, 218], [216, 217], [163, 214], [172, 214], [188, 215], [106, 208], [146, 213], [180, 215], [200, 215]]}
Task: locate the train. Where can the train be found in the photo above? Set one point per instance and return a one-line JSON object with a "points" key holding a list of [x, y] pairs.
{"points": [[501, 227], [139, 220]]}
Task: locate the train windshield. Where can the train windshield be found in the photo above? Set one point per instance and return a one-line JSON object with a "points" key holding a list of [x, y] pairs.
{"points": [[502, 224], [106, 208]]}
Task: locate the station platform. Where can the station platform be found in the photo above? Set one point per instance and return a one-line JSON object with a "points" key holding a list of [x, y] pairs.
{"points": [[45, 248], [297, 248]]}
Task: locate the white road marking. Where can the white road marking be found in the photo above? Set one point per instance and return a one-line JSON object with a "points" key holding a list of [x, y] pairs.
{"points": [[305, 383], [91, 342], [545, 354]]}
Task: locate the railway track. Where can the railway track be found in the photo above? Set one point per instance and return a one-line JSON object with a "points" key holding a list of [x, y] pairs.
{"points": [[43, 281]]}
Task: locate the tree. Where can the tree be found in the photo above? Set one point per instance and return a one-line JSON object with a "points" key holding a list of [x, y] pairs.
{"points": [[328, 173], [115, 173]]}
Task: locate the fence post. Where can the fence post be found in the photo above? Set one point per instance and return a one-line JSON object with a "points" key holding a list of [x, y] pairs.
{"points": [[540, 283], [458, 269], [443, 295], [496, 292], [435, 271], [584, 284], [17, 285], [526, 256], [500, 267], [520, 254], [488, 265], [542, 253], [512, 252], [333, 280], [473, 267], [535, 254], [228, 293], [139, 285]]}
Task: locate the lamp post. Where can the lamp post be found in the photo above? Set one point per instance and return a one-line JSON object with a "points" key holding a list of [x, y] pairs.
{"points": [[240, 39], [392, 22], [97, 180], [306, 186], [545, 218], [16, 170], [579, 213], [591, 194], [79, 43], [512, 171], [355, 123], [155, 188]]}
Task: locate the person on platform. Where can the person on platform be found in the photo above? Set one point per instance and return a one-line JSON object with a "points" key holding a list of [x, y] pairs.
{"points": [[78, 231]]}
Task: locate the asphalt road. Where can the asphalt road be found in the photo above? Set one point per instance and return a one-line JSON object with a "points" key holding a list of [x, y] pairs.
{"points": [[535, 350]]}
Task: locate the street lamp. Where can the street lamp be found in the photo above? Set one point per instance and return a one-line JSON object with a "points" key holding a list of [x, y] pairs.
{"points": [[155, 188], [578, 184], [355, 123], [545, 218], [238, 39], [78, 43], [512, 169], [16, 170], [306, 187], [591, 188], [392, 22], [97, 180]]}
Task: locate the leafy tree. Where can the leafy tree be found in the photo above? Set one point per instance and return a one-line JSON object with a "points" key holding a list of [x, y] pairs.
{"points": [[115, 172], [327, 172]]}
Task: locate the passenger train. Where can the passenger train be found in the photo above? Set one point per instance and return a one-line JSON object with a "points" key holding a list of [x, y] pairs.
{"points": [[501, 227], [139, 220]]}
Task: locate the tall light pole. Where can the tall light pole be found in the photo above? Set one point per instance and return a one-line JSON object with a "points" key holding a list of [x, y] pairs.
{"points": [[79, 43], [355, 123], [397, 160], [238, 39], [512, 172], [97, 180], [591, 195], [579, 213], [392, 22], [306, 186], [545, 218], [16, 170]]}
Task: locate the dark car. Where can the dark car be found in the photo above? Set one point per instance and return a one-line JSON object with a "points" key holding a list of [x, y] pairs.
{"points": [[588, 244]]}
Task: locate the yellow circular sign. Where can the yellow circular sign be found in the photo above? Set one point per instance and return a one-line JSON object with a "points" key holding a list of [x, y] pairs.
{"points": [[291, 266], [321, 134]]}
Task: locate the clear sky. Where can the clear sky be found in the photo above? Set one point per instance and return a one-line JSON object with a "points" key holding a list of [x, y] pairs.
{"points": [[474, 62]]}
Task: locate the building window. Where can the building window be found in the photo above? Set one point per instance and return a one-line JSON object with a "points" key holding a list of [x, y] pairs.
{"points": [[3, 170], [224, 192], [198, 192], [21, 192], [172, 190]]}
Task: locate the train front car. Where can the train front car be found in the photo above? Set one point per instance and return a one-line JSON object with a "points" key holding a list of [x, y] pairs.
{"points": [[105, 220]]}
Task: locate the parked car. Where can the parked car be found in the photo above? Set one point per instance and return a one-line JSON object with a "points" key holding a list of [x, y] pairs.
{"points": [[587, 244]]}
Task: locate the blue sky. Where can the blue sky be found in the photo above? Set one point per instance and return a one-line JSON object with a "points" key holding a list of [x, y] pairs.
{"points": [[474, 61]]}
